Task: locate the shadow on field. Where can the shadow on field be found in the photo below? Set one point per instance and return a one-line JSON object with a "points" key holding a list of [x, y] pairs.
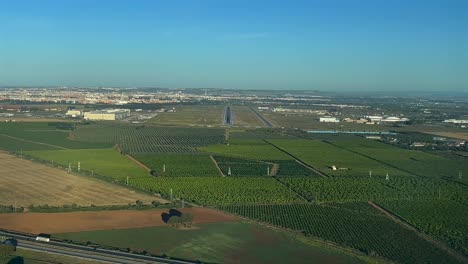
{"points": [[16, 260], [173, 212]]}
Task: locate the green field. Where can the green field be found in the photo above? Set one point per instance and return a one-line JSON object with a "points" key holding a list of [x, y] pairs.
{"points": [[231, 242], [369, 232], [323, 156], [219, 190], [147, 139], [250, 149], [52, 135], [365, 189], [107, 162], [180, 165], [412, 161], [420, 188], [23, 256], [243, 167], [444, 219]]}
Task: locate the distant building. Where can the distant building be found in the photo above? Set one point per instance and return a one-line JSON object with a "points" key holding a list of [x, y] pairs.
{"points": [[374, 137], [418, 144], [374, 118], [393, 119], [456, 121], [327, 119], [107, 114], [74, 113]]}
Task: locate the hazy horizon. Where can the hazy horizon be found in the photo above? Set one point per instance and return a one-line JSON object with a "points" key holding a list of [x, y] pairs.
{"points": [[338, 46]]}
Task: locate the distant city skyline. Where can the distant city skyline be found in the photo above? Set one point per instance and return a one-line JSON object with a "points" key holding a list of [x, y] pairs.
{"points": [[368, 45]]}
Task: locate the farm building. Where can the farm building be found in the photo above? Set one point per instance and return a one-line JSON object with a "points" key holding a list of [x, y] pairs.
{"points": [[73, 113], [327, 119], [107, 114]]}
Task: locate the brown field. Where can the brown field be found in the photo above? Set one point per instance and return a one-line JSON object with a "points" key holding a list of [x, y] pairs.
{"points": [[462, 136], [200, 115], [54, 223], [244, 116], [24, 183]]}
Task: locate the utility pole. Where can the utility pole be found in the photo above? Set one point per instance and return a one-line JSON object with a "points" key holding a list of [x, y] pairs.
{"points": [[387, 177], [268, 170], [229, 171], [79, 166], [164, 167], [15, 203], [171, 194], [69, 167], [127, 180], [370, 173]]}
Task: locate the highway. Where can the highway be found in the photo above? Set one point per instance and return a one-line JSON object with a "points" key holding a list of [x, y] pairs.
{"points": [[28, 242]]}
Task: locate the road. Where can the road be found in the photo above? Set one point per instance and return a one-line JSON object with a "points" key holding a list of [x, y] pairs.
{"points": [[28, 242]]}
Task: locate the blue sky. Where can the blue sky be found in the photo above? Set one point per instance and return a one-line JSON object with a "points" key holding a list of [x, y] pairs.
{"points": [[324, 45]]}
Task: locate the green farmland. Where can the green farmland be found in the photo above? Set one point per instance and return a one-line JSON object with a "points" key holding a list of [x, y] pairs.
{"points": [[323, 156], [355, 229], [413, 161], [444, 219], [107, 162], [329, 206], [250, 149], [180, 165], [231, 242]]}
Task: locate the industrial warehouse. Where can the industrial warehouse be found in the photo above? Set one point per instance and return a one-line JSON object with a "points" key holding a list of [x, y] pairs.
{"points": [[107, 114]]}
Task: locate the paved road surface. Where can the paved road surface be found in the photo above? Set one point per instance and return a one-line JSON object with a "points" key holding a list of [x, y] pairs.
{"points": [[102, 255]]}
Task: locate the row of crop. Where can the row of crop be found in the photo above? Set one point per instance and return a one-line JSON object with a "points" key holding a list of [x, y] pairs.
{"points": [[218, 190], [412, 161], [444, 219], [335, 161], [364, 189], [181, 165], [141, 139], [243, 167], [373, 234]]}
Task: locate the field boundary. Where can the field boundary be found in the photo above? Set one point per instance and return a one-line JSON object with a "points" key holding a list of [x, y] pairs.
{"points": [[130, 157], [217, 166], [35, 142], [424, 236], [298, 160]]}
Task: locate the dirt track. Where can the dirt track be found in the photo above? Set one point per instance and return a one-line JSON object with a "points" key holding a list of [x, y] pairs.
{"points": [[101, 220]]}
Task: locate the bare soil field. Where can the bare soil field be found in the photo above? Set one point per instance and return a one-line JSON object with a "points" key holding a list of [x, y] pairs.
{"points": [[244, 116], [27, 183], [462, 136], [101, 220]]}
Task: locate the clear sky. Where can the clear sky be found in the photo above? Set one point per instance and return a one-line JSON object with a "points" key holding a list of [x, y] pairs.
{"points": [[280, 44]]}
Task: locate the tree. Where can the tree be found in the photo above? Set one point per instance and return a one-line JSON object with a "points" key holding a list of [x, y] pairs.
{"points": [[186, 219], [174, 221], [6, 250]]}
